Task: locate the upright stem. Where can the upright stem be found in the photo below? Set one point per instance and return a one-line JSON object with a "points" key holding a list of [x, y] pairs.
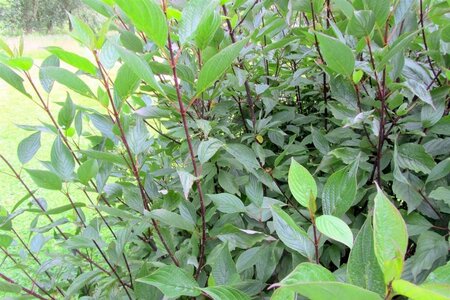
{"points": [[425, 44], [250, 103], [324, 75], [133, 164], [191, 153]]}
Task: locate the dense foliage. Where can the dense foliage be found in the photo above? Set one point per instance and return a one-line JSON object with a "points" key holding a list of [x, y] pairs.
{"points": [[43, 16], [243, 150]]}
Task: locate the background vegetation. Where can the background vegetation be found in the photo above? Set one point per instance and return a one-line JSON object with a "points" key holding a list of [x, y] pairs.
{"points": [[227, 150], [19, 17]]}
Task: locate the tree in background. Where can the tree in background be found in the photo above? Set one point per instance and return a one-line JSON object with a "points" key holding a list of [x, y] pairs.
{"points": [[27, 16]]}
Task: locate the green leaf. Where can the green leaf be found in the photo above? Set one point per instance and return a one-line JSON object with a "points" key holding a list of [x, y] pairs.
{"points": [[29, 147], [7, 287], [361, 24], [173, 282], [190, 19], [100, 7], [148, 17], [439, 171], [207, 149], [10, 77], [82, 32], [46, 81], [62, 159], [225, 293], [67, 113], [223, 267], [140, 67], [216, 66], [307, 272], [413, 157], [5, 240], [290, 234], [397, 47], [81, 281], [106, 156], [243, 155], [4, 46], [21, 63], [417, 292], [301, 184], [339, 192], [326, 290], [441, 193], [440, 275], [64, 208], [73, 59], [431, 247], [172, 219], [335, 228], [362, 268], [126, 82], [390, 237], [227, 203], [45, 179], [186, 179], [87, 171], [69, 80], [338, 56], [380, 9], [207, 28]]}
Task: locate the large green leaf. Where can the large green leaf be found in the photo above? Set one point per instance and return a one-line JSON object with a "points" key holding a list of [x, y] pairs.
{"points": [[439, 171], [336, 229], [82, 32], [362, 268], [67, 113], [307, 272], [361, 24], [69, 80], [173, 282], [207, 149], [338, 56], [73, 59], [225, 293], [216, 66], [227, 203], [147, 16], [10, 77], [326, 290], [243, 155], [413, 157], [62, 159], [45, 179], [390, 237], [301, 184], [140, 67], [291, 234], [419, 292], [396, 48], [28, 147], [339, 192], [87, 171], [172, 219]]}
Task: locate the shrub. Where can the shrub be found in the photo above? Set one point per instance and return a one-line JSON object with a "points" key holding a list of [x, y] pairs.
{"points": [[238, 150]]}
